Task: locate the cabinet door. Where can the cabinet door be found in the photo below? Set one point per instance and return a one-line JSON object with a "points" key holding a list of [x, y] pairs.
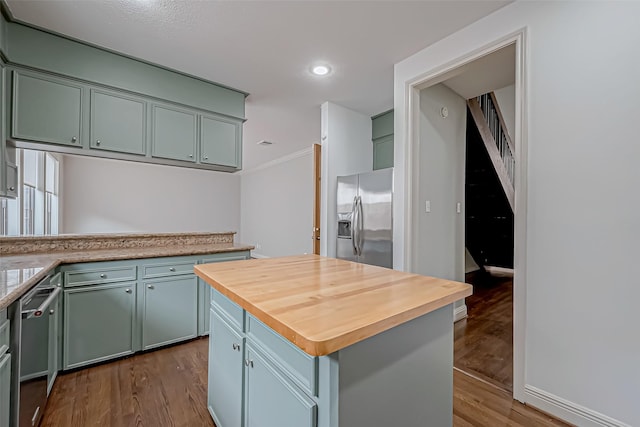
{"points": [[11, 179], [271, 399], [5, 389], [54, 343], [174, 134], [117, 123], [170, 312], [204, 307], [46, 109], [225, 373], [220, 142], [98, 323], [383, 153]]}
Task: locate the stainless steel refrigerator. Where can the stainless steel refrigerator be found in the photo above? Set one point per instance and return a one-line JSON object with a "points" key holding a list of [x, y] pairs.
{"points": [[364, 203]]}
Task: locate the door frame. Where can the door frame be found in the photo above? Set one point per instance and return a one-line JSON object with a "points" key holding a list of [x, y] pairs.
{"points": [[317, 196], [438, 75]]}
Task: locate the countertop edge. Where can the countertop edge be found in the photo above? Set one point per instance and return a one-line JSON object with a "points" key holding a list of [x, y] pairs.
{"points": [[71, 257]]}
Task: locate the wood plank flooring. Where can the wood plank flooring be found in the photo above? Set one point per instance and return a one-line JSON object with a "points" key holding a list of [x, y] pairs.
{"points": [[483, 342], [168, 387]]}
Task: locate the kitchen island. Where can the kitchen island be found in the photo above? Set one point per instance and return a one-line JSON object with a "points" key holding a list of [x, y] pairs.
{"points": [[313, 341]]}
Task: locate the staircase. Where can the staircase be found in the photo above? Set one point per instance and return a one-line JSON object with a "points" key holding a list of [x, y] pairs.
{"points": [[489, 187]]}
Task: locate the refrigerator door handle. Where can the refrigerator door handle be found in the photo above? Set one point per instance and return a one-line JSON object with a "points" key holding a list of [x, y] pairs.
{"points": [[354, 222], [360, 225]]}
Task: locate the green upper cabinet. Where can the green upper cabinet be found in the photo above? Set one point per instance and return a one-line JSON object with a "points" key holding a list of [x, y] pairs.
{"points": [[383, 152], [117, 122], [382, 138], [221, 141], [173, 133], [46, 109]]}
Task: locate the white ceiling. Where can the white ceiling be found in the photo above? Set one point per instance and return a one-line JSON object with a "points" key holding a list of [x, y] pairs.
{"points": [[266, 48], [489, 73]]}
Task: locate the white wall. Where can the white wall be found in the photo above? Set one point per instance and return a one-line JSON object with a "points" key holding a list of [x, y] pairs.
{"points": [[346, 149], [506, 97], [581, 330], [277, 206], [110, 196], [439, 238]]}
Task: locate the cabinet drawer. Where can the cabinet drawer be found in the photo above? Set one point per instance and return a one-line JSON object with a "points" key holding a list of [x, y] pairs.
{"points": [[234, 313], [4, 336], [167, 269], [99, 276], [302, 367]]}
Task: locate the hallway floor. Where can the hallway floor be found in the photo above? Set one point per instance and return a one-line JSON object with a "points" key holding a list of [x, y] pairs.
{"points": [[483, 342]]}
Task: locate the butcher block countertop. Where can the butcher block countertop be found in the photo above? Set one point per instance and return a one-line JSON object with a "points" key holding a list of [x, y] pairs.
{"points": [[323, 305]]}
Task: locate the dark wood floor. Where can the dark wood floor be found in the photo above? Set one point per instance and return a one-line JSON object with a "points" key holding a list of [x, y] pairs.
{"points": [[161, 388], [483, 343], [168, 387]]}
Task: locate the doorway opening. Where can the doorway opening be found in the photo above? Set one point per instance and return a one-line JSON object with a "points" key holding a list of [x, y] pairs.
{"points": [[435, 239]]}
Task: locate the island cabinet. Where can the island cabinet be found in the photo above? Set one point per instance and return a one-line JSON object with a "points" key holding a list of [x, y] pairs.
{"points": [[309, 341], [5, 370], [257, 378]]}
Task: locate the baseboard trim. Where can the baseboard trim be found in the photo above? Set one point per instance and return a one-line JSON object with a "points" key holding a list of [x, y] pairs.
{"points": [[459, 313], [498, 270], [568, 411], [257, 255]]}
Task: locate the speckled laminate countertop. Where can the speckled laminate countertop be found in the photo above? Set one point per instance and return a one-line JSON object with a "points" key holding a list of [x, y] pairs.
{"points": [[20, 271]]}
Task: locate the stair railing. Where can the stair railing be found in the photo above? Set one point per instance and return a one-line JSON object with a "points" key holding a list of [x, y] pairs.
{"points": [[491, 125]]}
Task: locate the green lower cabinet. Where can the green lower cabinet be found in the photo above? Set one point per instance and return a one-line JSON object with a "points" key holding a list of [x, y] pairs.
{"points": [[225, 373], [272, 400], [204, 311], [98, 323], [5, 389], [54, 341], [170, 312]]}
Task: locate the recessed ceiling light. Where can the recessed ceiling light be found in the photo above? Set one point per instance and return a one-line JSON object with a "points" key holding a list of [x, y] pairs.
{"points": [[321, 70]]}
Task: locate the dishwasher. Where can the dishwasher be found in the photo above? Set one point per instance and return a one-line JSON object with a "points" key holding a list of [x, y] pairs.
{"points": [[30, 343]]}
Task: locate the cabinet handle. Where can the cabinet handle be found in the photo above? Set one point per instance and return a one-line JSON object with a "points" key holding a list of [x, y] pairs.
{"points": [[12, 188], [52, 312], [172, 269], [128, 290], [190, 155], [74, 139], [150, 287], [102, 276], [249, 363], [97, 142], [206, 157], [235, 346]]}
